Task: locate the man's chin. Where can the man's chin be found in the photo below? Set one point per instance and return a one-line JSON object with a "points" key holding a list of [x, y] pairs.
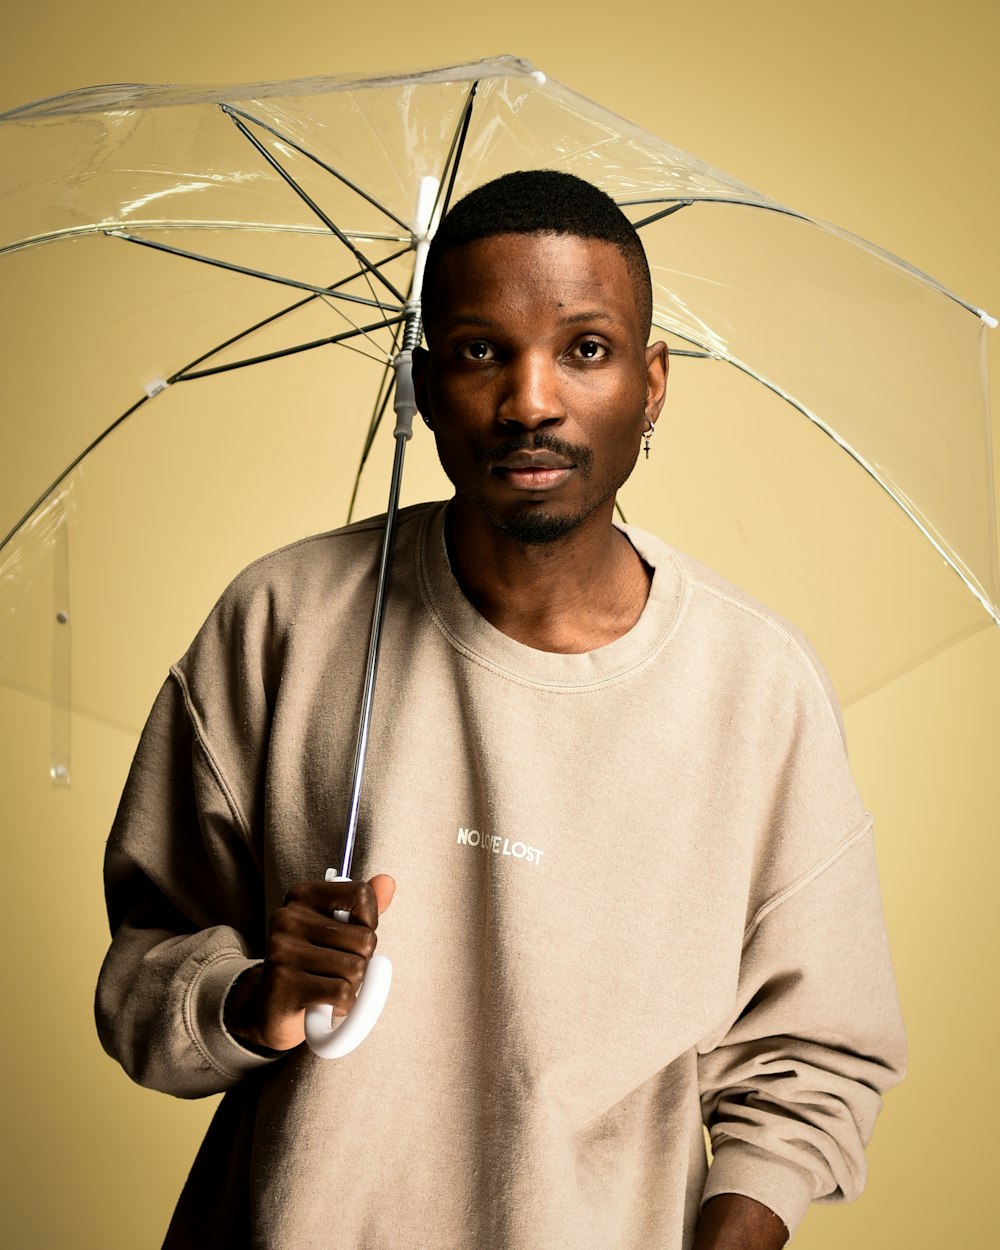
{"points": [[533, 523], [536, 526]]}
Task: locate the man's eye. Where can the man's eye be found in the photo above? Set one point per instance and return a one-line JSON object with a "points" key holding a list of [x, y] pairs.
{"points": [[476, 349], [591, 349]]}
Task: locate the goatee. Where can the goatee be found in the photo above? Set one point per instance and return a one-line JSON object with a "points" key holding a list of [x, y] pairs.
{"points": [[534, 526]]}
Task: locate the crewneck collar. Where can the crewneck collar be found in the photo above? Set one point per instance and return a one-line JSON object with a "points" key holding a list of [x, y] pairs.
{"points": [[473, 636]]}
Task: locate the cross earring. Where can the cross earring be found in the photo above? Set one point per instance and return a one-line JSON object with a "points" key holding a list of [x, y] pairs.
{"points": [[647, 434]]}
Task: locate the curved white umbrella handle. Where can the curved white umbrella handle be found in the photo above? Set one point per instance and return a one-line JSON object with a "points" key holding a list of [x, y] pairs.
{"points": [[332, 1037]]}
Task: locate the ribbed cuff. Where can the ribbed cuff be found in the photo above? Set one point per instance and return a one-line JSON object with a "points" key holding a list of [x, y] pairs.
{"points": [[206, 1001], [739, 1168]]}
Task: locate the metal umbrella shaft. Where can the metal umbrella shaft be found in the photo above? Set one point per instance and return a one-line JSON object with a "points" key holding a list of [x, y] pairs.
{"points": [[328, 1036], [405, 408]]}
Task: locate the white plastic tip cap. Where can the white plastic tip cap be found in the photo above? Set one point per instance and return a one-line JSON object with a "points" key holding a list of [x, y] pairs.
{"points": [[154, 387], [539, 77], [990, 321]]}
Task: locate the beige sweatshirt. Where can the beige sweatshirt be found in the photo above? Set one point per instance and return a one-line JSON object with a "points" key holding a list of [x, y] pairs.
{"points": [[636, 890]]}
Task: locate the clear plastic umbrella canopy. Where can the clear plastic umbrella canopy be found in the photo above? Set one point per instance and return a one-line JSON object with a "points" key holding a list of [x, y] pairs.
{"points": [[203, 289]]}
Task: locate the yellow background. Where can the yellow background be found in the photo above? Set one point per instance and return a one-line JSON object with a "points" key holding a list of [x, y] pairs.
{"points": [[882, 117]]}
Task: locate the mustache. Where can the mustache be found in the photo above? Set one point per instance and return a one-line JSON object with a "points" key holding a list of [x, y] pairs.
{"points": [[539, 440]]}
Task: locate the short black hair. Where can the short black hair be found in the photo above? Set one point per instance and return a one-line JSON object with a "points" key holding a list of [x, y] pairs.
{"points": [[539, 201]]}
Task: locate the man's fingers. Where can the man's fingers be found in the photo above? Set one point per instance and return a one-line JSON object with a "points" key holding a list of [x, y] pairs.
{"points": [[365, 900], [295, 929], [326, 897], [311, 958], [335, 980]]}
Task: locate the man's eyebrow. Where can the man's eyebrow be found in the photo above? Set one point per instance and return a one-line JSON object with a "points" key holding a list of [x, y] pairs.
{"points": [[486, 323], [594, 314], [466, 319]]}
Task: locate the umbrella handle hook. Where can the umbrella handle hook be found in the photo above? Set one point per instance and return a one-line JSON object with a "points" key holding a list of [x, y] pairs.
{"points": [[332, 1037]]}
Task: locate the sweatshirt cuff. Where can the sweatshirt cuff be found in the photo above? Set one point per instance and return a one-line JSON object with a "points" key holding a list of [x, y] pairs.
{"points": [[206, 1001], [740, 1168]]}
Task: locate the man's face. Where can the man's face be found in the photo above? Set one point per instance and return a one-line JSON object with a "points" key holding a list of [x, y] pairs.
{"points": [[537, 380]]}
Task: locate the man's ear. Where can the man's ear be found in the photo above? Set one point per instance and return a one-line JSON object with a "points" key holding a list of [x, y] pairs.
{"points": [[657, 368], [420, 383]]}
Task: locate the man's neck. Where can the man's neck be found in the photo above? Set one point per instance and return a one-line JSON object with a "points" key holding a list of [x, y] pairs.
{"points": [[572, 595]]}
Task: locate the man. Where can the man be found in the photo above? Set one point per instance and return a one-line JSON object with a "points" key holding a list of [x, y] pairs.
{"points": [[636, 883]]}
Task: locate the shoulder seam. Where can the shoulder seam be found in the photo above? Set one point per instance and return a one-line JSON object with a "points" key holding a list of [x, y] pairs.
{"points": [[216, 769], [783, 632], [356, 527], [806, 878]]}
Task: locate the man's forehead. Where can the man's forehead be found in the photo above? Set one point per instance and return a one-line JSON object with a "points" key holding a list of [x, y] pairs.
{"points": [[566, 269], [491, 248]]}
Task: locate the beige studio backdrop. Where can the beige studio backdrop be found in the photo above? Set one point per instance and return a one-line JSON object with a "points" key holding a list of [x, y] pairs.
{"points": [[882, 117]]}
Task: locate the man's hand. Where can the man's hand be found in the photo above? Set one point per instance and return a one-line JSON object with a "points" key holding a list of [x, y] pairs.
{"points": [[311, 958], [734, 1222]]}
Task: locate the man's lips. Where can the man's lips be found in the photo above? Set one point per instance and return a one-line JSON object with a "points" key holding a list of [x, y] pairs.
{"points": [[533, 460], [533, 470]]}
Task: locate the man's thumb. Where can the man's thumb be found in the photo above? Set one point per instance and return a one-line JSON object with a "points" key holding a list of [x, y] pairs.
{"points": [[384, 888]]}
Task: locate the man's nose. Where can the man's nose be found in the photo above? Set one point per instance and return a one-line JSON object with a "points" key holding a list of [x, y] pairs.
{"points": [[532, 395]]}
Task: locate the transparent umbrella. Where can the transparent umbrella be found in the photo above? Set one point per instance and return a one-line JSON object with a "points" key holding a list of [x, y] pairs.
{"points": [[205, 289]]}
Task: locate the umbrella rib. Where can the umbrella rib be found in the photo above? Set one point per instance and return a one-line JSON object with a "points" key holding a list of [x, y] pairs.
{"points": [[385, 393], [247, 272], [674, 208], [323, 165], [331, 225], [365, 330], [901, 502], [381, 403], [451, 162], [676, 203], [74, 463], [180, 376], [184, 376], [381, 399], [454, 156], [282, 312], [105, 227], [686, 352], [843, 235], [938, 545]]}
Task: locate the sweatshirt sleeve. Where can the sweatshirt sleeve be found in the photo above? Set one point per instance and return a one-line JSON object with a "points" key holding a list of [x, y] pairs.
{"points": [[792, 1082], [184, 902]]}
